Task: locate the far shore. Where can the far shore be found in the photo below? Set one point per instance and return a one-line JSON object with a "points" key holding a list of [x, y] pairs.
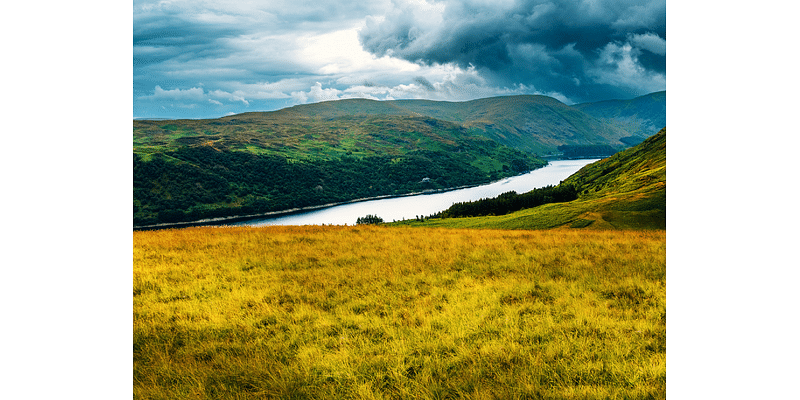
{"points": [[274, 214], [222, 221]]}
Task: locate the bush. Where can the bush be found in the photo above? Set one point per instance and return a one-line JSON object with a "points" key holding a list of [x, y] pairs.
{"points": [[369, 219]]}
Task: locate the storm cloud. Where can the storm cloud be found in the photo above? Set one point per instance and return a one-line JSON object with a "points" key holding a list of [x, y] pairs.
{"points": [[204, 59], [581, 49]]}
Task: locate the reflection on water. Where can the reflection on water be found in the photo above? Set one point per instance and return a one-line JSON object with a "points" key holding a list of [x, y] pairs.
{"points": [[396, 209]]}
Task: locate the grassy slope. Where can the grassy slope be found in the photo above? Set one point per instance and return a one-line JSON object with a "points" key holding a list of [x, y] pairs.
{"points": [[640, 116], [537, 124], [625, 191], [445, 136], [215, 184], [297, 136], [322, 132], [376, 312]]}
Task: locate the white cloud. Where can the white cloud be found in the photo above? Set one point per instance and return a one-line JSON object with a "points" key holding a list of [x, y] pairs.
{"points": [[299, 97], [237, 96], [193, 94], [650, 42], [187, 97], [340, 53], [441, 82], [316, 94], [619, 65]]}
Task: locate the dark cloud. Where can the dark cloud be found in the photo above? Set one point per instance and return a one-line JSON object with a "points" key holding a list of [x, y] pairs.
{"points": [[214, 57], [554, 45], [160, 38], [424, 83], [169, 30]]}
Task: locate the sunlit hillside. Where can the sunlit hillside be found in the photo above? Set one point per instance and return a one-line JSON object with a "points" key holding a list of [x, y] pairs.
{"points": [[395, 313], [194, 169], [625, 191]]}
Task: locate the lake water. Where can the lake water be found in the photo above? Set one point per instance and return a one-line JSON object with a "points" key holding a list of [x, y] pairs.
{"points": [[409, 207]]}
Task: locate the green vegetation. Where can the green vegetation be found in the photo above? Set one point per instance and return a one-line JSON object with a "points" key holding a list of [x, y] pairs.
{"points": [[316, 154], [625, 191], [193, 170], [373, 312], [369, 220], [640, 116], [510, 202], [536, 124]]}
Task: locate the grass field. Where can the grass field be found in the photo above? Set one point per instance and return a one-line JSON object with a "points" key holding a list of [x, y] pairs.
{"points": [[392, 312]]}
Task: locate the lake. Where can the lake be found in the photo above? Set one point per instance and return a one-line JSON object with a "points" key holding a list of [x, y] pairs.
{"points": [[409, 207]]}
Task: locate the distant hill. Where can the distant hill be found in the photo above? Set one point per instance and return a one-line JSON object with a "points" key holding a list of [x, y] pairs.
{"points": [[535, 124], [341, 150], [256, 163], [640, 116], [625, 191]]}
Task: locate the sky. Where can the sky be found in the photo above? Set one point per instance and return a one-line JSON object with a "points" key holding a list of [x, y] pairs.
{"points": [[207, 59]]}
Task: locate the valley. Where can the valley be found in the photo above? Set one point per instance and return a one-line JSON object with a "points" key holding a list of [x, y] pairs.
{"points": [[333, 152]]}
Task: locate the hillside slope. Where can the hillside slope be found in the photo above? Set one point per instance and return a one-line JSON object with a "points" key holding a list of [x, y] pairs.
{"points": [[314, 154], [625, 191], [537, 124], [253, 164], [640, 116], [532, 123]]}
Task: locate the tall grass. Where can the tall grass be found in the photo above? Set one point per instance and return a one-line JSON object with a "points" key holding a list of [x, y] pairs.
{"points": [[379, 312]]}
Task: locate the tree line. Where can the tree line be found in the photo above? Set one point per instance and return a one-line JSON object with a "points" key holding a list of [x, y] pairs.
{"points": [[194, 183], [369, 219], [511, 201]]}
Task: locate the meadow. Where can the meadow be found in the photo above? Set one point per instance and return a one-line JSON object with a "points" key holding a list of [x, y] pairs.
{"points": [[377, 312]]}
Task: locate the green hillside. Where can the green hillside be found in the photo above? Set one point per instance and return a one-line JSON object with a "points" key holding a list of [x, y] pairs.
{"points": [[640, 116], [335, 151], [537, 124], [255, 163], [625, 191]]}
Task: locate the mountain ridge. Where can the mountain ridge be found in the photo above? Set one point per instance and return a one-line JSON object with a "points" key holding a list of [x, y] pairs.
{"points": [[533, 123], [641, 115]]}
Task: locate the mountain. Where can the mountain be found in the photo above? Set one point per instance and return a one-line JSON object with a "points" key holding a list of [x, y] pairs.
{"points": [[640, 116], [335, 151], [535, 124], [625, 191]]}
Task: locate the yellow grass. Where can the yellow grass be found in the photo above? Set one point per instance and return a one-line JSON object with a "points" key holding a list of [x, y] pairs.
{"points": [[379, 312]]}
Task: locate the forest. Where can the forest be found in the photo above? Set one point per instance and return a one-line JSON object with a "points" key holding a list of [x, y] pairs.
{"points": [[193, 183]]}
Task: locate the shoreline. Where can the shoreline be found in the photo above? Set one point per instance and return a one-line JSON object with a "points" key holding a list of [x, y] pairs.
{"points": [[221, 221], [224, 221]]}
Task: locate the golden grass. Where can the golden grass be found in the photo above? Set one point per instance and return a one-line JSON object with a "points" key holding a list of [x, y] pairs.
{"points": [[379, 312]]}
